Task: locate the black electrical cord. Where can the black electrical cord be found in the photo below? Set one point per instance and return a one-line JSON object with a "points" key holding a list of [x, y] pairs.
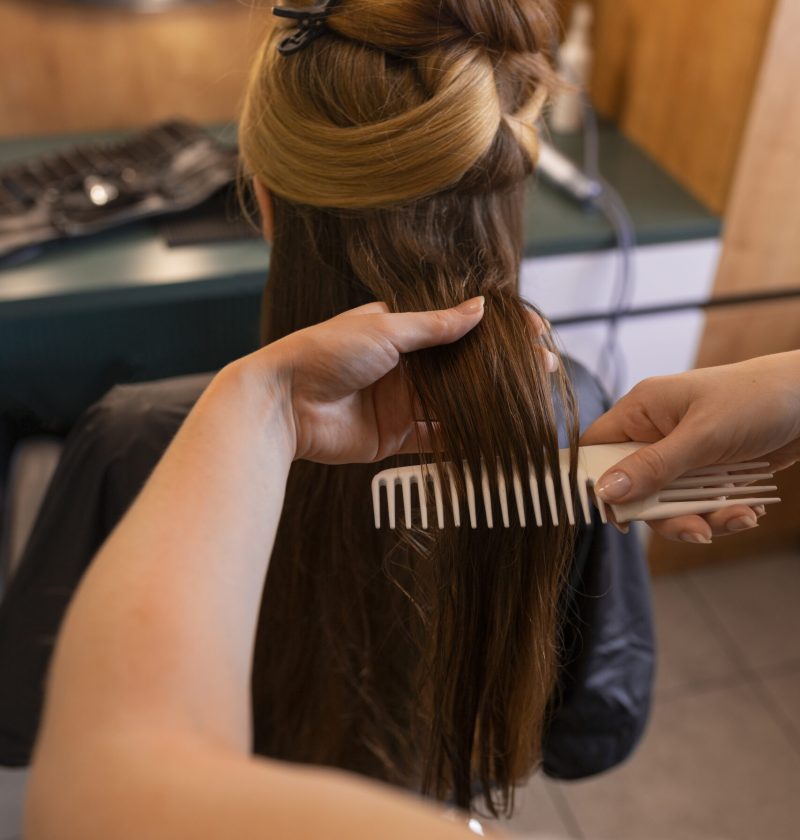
{"points": [[719, 302], [611, 365]]}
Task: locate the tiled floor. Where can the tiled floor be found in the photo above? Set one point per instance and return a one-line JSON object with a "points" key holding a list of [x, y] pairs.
{"points": [[12, 787], [721, 759]]}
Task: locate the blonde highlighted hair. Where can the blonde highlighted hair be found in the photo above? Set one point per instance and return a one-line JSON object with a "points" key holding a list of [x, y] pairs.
{"points": [[412, 101]]}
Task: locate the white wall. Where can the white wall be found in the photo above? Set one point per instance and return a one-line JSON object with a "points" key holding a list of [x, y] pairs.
{"points": [[580, 284]]}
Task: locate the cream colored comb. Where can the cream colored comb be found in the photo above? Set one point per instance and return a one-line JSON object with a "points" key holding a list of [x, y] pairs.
{"points": [[700, 491]]}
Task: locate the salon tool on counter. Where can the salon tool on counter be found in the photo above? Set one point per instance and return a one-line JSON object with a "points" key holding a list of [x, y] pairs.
{"points": [[558, 170], [574, 59], [699, 492], [94, 187]]}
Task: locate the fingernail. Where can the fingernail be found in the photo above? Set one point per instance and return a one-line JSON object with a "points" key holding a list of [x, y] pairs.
{"points": [[472, 306], [741, 523], [691, 537], [552, 362], [760, 510], [613, 486]]}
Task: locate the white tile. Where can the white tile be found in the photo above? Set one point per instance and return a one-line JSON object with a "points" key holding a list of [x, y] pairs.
{"points": [[756, 603], [578, 284], [12, 791], [784, 691], [689, 652], [714, 765], [572, 284]]}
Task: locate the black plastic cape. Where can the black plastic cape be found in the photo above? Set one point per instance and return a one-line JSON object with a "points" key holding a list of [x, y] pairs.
{"points": [[597, 715]]}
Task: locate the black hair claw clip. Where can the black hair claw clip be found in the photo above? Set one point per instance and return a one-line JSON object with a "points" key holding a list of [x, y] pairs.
{"points": [[310, 25]]}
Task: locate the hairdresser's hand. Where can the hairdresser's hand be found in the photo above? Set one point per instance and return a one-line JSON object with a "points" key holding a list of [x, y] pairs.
{"points": [[742, 412], [342, 383]]}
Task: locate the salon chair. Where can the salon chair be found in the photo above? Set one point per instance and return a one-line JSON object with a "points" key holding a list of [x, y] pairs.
{"points": [[31, 467]]}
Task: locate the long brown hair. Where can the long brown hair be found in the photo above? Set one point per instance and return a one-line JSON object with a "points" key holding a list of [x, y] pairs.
{"points": [[396, 149]]}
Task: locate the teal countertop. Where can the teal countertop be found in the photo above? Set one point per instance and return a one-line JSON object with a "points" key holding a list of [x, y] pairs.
{"points": [[132, 265]]}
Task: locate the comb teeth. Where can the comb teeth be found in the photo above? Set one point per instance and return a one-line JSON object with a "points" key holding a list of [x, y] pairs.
{"points": [[512, 506], [700, 491]]}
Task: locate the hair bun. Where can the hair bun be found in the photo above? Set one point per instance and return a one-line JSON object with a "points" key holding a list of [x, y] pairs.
{"points": [[505, 25], [413, 98], [399, 25]]}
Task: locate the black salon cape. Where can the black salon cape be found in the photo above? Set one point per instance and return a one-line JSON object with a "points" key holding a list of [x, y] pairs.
{"points": [[597, 715]]}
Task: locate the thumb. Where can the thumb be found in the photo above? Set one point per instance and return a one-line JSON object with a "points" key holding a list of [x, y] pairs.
{"points": [[650, 468], [410, 331]]}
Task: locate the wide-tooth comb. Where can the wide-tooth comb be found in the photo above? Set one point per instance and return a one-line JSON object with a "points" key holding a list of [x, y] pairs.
{"points": [[699, 492]]}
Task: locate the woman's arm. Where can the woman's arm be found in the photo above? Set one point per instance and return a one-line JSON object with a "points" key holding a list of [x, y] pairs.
{"points": [[147, 724]]}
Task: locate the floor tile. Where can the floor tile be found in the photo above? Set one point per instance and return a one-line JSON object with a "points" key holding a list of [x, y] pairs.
{"points": [[689, 652], [714, 765], [12, 789], [755, 603], [784, 691], [536, 815]]}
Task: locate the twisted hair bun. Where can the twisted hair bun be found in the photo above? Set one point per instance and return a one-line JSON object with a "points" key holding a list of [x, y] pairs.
{"points": [[499, 25], [408, 100]]}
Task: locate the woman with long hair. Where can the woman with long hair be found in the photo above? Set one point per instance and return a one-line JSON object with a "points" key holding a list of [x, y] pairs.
{"points": [[389, 157]]}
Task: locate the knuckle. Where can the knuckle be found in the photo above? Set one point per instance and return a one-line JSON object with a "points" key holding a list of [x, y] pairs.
{"points": [[442, 322], [387, 349], [652, 462], [382, 327], [637, 419], [650, 382], [538, 324], [643, 391], [381, 334]]}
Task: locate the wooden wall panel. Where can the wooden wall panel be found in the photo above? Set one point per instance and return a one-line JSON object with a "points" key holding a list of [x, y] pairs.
{"points": [[684, 86], [67, 69], [763, 221], [761, 252], [678, 77]]}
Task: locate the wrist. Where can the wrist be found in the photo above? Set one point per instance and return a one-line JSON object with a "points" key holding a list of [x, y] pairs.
{"points": [[259, 385]]}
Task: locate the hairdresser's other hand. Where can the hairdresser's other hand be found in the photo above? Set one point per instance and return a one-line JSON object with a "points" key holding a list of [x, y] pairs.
{"points": [[740, 412], [345, 397]]}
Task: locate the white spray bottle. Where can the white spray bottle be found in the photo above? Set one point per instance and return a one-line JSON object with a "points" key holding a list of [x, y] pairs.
{"points": [[575, 68]]}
